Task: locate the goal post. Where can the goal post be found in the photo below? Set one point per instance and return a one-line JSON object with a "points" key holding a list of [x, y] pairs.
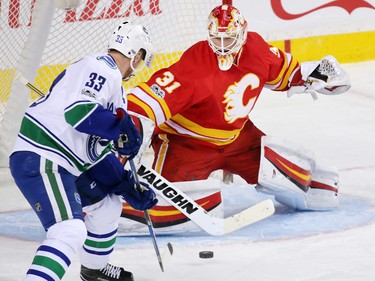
{"points": [[15, 98], [40, 40]]}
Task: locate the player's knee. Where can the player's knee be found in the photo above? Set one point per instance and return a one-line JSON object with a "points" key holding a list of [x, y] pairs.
{"points": [[105, 212], [71, 232]]}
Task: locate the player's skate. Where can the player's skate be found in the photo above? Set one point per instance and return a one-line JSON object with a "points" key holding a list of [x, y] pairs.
{"points": [[108, 273]]}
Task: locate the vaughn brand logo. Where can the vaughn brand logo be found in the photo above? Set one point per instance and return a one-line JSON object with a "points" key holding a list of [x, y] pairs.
{"points": [[162, 185]]}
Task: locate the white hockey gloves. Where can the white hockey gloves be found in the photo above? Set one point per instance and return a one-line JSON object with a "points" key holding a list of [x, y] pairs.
{"points": [[325, 77]]}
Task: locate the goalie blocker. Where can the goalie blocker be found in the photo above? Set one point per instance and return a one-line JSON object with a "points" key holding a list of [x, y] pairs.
{"points": [[291, 174]]}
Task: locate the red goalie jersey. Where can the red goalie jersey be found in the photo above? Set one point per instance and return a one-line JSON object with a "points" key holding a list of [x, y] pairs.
{"points": [[195, 99]]}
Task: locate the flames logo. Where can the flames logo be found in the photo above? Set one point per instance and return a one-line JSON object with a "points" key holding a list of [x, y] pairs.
{"points": [[234, 96]]}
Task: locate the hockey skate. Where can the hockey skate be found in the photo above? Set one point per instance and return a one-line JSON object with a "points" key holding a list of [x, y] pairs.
{"points": [[108, 273]]}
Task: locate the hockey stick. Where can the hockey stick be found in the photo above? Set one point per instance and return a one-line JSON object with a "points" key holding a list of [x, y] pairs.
{"points": [[19, 77], [212, 225], [148, 220]]}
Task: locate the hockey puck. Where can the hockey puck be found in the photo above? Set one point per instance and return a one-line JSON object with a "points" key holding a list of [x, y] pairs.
{"points": [[206, 254]]}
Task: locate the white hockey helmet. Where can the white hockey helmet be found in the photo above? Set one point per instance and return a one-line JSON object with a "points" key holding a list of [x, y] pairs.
{"points": [[227, 32], [129, 39]]}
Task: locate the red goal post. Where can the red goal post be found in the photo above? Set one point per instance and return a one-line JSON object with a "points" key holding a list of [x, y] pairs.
{"points": [[40, 40]]}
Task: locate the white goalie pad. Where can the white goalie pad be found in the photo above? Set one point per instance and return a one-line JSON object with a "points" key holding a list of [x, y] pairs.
{"points": [[285, 165], [323, 192], [290, 173]]}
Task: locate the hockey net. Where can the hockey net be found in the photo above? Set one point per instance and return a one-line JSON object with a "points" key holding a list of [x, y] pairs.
{"points": [[40, 40]]}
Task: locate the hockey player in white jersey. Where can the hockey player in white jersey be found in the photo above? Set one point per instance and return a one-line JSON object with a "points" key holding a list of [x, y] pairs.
{"points": [[71, 131]]}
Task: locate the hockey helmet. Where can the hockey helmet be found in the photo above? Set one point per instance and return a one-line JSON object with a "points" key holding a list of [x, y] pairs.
{"points": [[129, 39], [227, 32]]}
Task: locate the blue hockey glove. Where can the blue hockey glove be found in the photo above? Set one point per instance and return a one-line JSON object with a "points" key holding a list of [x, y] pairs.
{"points": [[140, 200], [130, 139]]}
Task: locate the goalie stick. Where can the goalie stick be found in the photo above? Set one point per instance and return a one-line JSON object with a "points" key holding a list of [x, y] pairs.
{"points": [[212, 225]]}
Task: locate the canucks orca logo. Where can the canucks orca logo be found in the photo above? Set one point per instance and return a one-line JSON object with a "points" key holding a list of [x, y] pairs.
{"points": [[94, 147], [78, 198]]}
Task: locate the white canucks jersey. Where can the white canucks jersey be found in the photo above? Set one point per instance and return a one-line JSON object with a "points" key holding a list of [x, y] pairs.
{"points": [[49, 124]]}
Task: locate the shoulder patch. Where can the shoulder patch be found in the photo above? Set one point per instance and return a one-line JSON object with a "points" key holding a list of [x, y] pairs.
{"points": [[157, 91], [108, 60]]}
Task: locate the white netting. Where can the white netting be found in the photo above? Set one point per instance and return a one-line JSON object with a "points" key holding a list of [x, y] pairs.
{"points": [[173, 26]]}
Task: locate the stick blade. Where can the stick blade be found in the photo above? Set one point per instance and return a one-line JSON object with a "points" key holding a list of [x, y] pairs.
{"points": [[249, 216]]}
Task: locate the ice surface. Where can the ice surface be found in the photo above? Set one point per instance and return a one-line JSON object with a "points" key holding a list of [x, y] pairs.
{"points": [[290, 246]]}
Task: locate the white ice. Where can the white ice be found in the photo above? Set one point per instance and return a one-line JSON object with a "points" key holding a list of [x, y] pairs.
{"points": [[340, 130]]}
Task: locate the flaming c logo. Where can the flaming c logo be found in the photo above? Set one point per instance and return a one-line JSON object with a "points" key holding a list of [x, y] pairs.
{"points": [[348, 5]]}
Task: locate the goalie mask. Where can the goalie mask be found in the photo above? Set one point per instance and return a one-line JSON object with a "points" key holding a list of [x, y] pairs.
{"points": [[129, 39], [227, 32]]}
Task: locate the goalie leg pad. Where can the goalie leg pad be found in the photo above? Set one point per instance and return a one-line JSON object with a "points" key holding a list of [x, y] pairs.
{"points": [[323, 192], [290, 173]]}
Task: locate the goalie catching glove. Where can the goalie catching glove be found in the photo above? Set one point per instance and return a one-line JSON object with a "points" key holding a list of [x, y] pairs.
{"points": [[130, 139], [325, 77]]}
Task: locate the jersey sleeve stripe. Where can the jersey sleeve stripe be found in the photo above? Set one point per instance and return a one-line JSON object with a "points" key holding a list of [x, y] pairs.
{"points": [[145, 107], [160, 111], [281, 73], [78, 112], [161, 101], [292, 65]]}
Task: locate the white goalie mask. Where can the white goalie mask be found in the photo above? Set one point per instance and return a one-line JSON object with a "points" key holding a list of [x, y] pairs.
{"points": [[129, 39], [227, 32]]}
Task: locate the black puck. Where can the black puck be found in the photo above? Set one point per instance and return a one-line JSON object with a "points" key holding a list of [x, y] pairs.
{"points": [[206, 254]]}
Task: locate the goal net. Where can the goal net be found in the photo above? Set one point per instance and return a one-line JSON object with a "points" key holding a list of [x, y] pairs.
{"points": [[39, 40]]}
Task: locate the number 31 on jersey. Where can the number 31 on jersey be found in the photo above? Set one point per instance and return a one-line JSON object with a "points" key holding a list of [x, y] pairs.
{"points": [[167, 82]]}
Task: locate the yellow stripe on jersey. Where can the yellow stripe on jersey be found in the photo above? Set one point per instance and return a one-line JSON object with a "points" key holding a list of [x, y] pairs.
{"points": [[183, 126], [143, 105], [162, 153], [161, 101], [281, 73], [285, 80]]}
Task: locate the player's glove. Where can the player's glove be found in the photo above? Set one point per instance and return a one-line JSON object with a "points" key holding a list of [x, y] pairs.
{"points": [[130, 139], [325, 77], [139, 199]]}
